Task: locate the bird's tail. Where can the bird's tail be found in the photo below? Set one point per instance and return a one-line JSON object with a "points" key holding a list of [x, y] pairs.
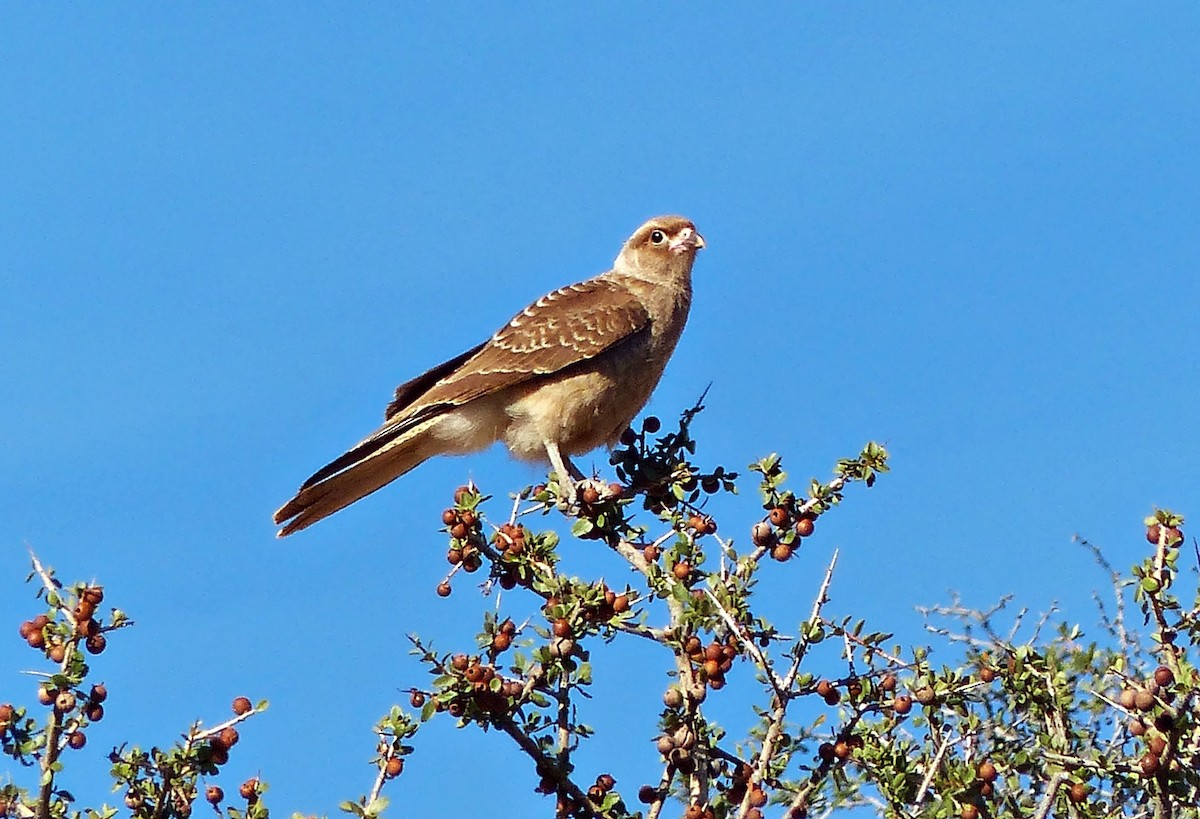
{"points": [[375, 468]]}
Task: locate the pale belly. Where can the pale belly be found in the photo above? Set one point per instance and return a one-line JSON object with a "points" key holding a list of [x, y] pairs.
{"points": [[580, 412]]}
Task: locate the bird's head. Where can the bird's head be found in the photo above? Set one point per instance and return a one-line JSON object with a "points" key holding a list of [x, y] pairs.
{"points": [[664, 243]]}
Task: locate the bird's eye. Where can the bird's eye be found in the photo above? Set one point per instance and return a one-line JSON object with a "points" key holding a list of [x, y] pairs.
{"points": [[657, 237]]}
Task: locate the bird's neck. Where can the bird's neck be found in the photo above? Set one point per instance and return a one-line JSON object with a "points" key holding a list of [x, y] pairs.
{"points": [[666, 292]]}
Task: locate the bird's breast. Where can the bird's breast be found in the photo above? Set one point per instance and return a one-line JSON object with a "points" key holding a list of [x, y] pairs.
{"points": [[583, 409]]}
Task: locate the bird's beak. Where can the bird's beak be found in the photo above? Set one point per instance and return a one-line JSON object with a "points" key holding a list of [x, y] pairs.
{"points": [[688, 239]]}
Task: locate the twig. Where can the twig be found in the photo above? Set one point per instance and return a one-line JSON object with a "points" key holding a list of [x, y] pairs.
{"points": [[545, 766], [823, 592], [195, 736], [933, 766], [759, 658], [1043, 808], [377, 788]]}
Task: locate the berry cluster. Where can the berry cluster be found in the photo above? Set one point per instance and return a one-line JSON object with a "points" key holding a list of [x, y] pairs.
{"points": [[660, 470], [1153, 719], [983, 787], [712, 661], [55, 639], [477, 690], [784, 527], [164, 782]]}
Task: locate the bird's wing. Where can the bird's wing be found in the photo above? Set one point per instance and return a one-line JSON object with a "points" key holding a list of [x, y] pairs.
{"points": [[565, 328], [561, 329]]}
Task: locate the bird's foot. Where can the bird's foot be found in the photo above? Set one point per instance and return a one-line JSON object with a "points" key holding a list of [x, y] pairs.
{"points": [[568, 495]]}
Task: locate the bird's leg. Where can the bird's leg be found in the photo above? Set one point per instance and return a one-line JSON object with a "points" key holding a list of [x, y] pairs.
{"points": [[565, 470]]}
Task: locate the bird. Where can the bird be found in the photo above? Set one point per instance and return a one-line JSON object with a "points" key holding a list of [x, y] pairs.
{"points": [[565, 376]]}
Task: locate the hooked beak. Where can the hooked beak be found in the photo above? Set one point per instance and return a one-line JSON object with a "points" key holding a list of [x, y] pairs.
{"points": [[688, 239]]}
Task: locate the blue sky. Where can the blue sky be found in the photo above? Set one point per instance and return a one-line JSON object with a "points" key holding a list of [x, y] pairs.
{"points": [[226, 232]]}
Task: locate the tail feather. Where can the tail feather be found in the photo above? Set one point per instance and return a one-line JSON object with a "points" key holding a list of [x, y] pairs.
{"points": [[377, 469]]}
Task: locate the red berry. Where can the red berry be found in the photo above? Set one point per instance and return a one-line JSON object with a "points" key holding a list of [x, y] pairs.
{"points": [[804, 527], [416, 699], [450, 517], [83, 612], [443, 589], [1164, 676], [986, 771], [779, 516], [241, 705], [393, 767], [249, 790], [77, 739], [214, 794], [681, 570], [96, 643], [762, 535]]}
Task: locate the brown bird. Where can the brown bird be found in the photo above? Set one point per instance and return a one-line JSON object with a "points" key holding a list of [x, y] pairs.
{"points": [[566, 375]]}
